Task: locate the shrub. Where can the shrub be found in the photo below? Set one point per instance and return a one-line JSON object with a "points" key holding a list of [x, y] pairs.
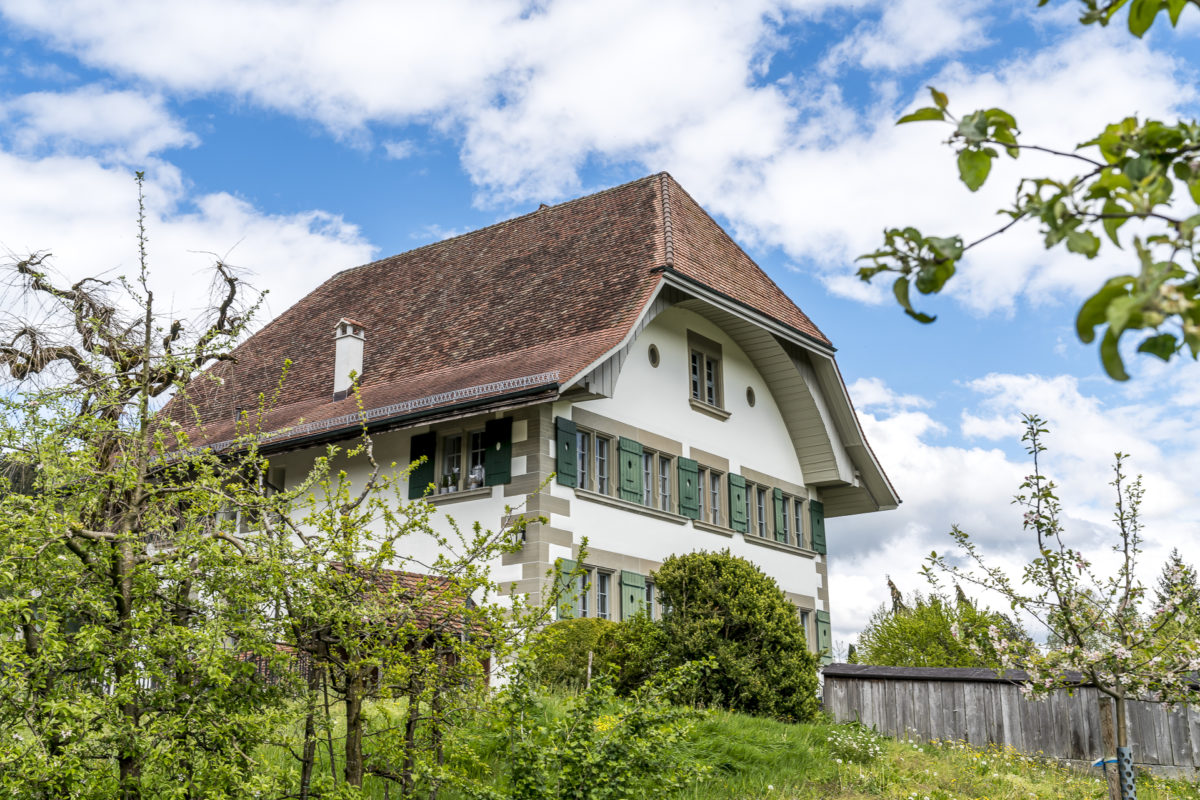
{"points": [[629, 653], [558, 654], [723, 607]]}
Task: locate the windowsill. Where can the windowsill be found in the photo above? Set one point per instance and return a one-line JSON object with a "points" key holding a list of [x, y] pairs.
{"points": [[712, 411], [637, 508], [721, 530], [458, 497], [754, 538]]}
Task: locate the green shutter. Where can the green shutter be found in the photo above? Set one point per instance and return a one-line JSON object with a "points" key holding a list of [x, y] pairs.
{"points": [[564, 587], [780, 515], [630, 454], [816, 512], [737, 503], [497, 454], [423, 444], [567, 468], [824, 637], [633, 594], [689, 488]]}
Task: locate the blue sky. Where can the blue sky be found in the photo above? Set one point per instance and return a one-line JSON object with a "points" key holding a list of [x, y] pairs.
{"points": [[302, 138]]}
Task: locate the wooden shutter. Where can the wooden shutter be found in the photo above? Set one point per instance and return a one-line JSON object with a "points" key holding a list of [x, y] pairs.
{"points": [[780, 515], [497, 453], [824, 637], [816, 512], [633, 594], [737, 503], [629, 454], [689, 488], [565, 587], [423, 444], [567, 468]]}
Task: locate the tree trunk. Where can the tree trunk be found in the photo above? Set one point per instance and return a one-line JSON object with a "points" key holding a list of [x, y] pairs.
{"points": [[1108, 741], [308, 757], [410, 739], [354, 701]]}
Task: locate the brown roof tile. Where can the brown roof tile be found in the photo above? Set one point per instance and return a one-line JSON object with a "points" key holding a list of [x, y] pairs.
{"points": [[550, 291]]}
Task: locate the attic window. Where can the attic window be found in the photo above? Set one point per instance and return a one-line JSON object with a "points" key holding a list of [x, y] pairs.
{"points": [[705, 378]]}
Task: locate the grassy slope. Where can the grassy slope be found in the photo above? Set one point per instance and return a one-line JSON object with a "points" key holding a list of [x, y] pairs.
{"points": [[736, 756]]}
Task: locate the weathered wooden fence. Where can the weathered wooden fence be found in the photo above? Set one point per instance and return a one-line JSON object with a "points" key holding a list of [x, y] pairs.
{"points": [[977, 706]]}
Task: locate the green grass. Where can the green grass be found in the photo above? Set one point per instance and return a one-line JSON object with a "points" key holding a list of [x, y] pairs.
{"points": [[736, 756]]}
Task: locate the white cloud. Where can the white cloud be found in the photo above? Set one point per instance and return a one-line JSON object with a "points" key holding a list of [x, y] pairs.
{"points": [[868, 393], [947, 483], [399, 149], [124, 125], [910, 33], [84, 212]]}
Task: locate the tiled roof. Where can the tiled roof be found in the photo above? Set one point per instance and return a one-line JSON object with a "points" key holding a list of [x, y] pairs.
{"points": [[548, 292]]}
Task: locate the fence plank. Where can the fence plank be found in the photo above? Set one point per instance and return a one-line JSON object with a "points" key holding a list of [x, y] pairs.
{"points": [[975, 706], [1181, 745]]}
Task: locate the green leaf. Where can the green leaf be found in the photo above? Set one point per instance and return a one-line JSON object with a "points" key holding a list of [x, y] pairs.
{"points": [[922, 115], [1110, 356], [1175, 8], [1194, 190], [973, 168], [1141, 16], [1083, 242], [1095, 308], [900, 289], [1188, 226], [939, 99], [1000, 117], [1113, 224], [1162, 346], [949, 247], [1138, 169]]}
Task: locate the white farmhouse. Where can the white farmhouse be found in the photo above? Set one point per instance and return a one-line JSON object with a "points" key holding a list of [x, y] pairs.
{"points": [[621, 342]]}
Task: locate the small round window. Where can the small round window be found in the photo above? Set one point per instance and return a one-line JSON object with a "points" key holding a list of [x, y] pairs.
{"points": [[653, 355], [750, 396]]}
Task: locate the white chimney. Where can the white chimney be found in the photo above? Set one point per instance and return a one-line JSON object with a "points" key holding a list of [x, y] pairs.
{"points": [[348, 338]]}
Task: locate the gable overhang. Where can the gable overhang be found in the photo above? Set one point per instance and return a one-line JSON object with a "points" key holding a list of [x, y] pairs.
{"points": [[804, 380]]}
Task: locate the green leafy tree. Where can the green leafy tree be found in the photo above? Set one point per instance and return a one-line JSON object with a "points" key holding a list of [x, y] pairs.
{"points": [[1101, 623], [128, 658], [722, 607], [933, 631], [1143, 170]]}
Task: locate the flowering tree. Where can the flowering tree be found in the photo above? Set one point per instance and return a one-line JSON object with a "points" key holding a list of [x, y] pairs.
{"points": [[1101, 623]]}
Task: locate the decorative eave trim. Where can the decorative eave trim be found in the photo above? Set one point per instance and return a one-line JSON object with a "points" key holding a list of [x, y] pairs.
{"points": [[747, 312]]}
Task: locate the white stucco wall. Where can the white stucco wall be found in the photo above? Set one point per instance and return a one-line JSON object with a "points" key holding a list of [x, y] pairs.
{"points": [[656, 399]]}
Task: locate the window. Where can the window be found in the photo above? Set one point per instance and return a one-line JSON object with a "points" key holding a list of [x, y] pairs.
{"points": [[602, 445], [584, 585], [583, 452], [784, 534], [761, 506], [475, 465], [451, 463], [798, 520], [714, 494], [647, 478], [453, 477], [664, 483], [804, 623], [602, 581], [705, 370], [650, 600]]}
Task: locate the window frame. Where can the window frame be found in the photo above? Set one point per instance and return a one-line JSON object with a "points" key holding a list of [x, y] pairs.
{"points": [[760, 506], [603, 598], [705, 360], [466, 437], [664, 480]]}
